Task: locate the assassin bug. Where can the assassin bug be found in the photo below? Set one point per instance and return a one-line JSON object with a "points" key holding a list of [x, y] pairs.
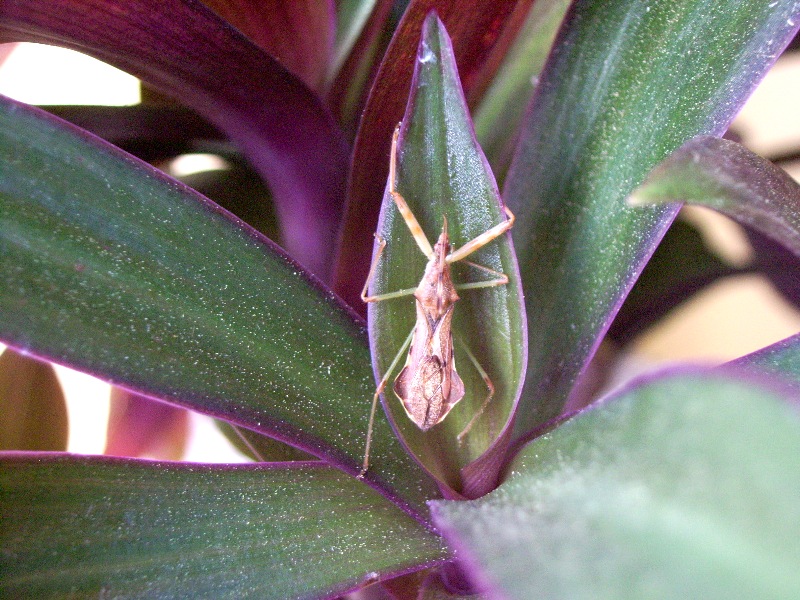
{"points": [[428, 385]]}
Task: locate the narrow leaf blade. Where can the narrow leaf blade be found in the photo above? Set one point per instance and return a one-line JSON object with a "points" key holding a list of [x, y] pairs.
{"points": [[682, 488], [628, 82], [85, 527]]}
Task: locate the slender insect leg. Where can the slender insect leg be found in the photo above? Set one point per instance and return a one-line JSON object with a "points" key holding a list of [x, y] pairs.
{"points": [[379, 297], [378, 391], [483, 239], [502, 278], [400, 202], [486, 380]]}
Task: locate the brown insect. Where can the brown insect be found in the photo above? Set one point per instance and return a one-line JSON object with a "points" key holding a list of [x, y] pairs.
{"points": [[428, 385]]}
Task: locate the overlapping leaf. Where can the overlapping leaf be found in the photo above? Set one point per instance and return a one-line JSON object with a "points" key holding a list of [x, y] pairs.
{"points": [[88, 527], [115, 269], [682, 488]]}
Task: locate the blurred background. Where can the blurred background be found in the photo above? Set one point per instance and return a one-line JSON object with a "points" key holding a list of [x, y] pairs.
{"points": [[727, 319]]}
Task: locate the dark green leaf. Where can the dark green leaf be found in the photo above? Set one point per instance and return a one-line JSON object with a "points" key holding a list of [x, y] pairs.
{"points": [[111, 267], [627, 83], [33, 413], [442, 173], [686, 487], [727, 177], [91, 527]]}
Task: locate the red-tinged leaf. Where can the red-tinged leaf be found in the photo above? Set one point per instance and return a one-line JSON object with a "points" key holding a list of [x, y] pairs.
{"points": [[187, 51], [300, 33], [475, 29], [141, 427], [33, 414]]}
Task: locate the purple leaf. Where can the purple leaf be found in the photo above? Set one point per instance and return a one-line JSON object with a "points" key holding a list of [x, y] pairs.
{"points": [[184, 49]]}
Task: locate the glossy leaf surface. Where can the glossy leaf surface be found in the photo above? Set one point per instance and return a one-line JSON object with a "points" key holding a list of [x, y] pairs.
{"points": [[628, 82], [442, 173], [685, 487], [33, 413], [113, 268], [727, 177], [84, 527]]}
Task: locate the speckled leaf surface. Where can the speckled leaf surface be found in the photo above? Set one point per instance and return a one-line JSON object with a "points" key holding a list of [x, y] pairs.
{"points": [[442, 173], [628, 83], [685, 487], [82, 527], [726, 176], [112, 268]]}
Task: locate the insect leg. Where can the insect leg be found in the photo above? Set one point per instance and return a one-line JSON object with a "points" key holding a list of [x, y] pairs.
{"points": [[502, 278], [400, 202], [486, 380], [381, 385], [483, 239], [379, 297]]}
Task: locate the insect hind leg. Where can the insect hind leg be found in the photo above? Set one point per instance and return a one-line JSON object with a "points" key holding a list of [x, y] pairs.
{"points": [[486, 379], [381, 386]]}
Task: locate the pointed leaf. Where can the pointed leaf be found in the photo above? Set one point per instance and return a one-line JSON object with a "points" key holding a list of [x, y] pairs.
{"points": [[33, 412], [442, 173], [113, 268], [187, 51], [89, 527], [781, 358], [685, 487], [628, 82], [475, 32], [727, 177]]}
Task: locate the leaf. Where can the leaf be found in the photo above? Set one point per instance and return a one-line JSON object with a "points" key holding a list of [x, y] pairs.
{"points": [[300, 34], [442, 173], [475, 33], [781, 359], [33, 412], [727, 177], [185, 50], [500, 112], [627, 83], [684, 487], [352, 17], [89, 527], [113, 268]]}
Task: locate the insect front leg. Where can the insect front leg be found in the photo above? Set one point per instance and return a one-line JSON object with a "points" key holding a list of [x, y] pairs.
{"points": [[381, 386]]}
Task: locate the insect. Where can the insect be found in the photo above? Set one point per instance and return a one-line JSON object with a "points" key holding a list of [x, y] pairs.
{"points": [[429, 385]]}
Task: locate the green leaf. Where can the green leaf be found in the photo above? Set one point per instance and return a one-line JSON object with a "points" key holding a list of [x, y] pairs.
{"points": [[781, 358], [33, 413], [351, 17], [628, 82], [686, 487], [442, 173], [727, 177], [90, 527], [500, 112], [113, 268]]}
